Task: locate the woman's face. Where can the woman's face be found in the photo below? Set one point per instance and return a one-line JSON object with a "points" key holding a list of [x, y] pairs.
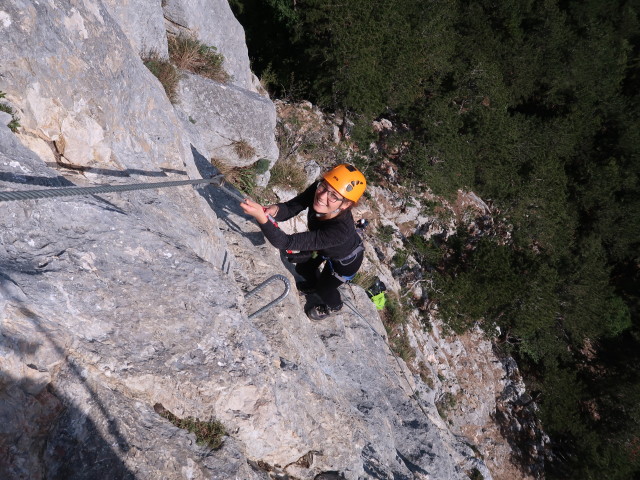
{"points": [[327, 199]]}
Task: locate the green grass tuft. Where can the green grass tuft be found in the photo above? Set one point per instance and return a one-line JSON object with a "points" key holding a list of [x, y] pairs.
{"points": [[14, 124], [210, 434], [188, 53], [165, 72]]}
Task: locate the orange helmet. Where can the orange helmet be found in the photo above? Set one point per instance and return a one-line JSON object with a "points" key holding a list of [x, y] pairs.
{"points": [[347, 180]]}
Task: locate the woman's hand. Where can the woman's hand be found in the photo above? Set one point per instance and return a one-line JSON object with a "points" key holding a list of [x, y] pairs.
{"points": [[272, 210], [255, 210]]}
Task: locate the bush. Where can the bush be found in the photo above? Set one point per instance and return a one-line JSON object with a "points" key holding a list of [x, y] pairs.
{"points": [[288, 175], [14, 124], [243, 149], [187, 53], [394, 317], [243, 178], [446, 403], [165, 72], [210, 434], [400, 258], [365, 279], [385, 233]]}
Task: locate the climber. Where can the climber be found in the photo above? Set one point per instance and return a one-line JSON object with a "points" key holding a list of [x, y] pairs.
{"points": [[332, 235]]}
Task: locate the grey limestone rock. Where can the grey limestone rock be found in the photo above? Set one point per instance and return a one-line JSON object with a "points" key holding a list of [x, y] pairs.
{"points": [[142, 22], [233, 124]]}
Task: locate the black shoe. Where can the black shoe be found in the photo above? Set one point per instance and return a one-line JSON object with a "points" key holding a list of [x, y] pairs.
{"points": [[306, 287], [320, 312]]}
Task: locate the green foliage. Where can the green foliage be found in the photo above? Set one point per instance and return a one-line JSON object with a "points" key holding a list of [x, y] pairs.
{"points": [[400, 258], [385, 233], [427, 252], [445, 404], [188, 53], [210, 434], [364, 279], [165, 72], [394, 313], [475, 474], [262, 166], [394, 317], [533, 105], [244, 178], [14, 124], [288, 175]]}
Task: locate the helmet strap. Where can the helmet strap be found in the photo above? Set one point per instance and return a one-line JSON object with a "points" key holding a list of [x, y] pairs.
{"points": [[328, 213]]}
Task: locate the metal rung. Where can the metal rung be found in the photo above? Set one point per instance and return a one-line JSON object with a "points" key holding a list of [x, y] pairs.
{"points": [[287, 287]]}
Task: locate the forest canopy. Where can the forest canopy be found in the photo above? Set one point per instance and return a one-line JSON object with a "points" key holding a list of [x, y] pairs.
{"points": [[534, 106]]}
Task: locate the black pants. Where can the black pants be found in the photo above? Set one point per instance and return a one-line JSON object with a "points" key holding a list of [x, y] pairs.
{"points": [[325, 282]]}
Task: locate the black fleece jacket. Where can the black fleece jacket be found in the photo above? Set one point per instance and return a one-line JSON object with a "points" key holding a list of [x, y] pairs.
{"points": [[335, 238]]}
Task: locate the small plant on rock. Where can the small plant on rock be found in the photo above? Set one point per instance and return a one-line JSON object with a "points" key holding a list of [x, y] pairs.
{"points": [[385, 233], [446, 403], [188, 53], [288, 175], [165, 72], [394, 317], [14, 124], [210, 434], [364, 279], [243, 149], [243, 178]]}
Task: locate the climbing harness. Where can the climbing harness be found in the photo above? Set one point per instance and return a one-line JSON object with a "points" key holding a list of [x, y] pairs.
{"points": [[287, 288], [344, 261]]}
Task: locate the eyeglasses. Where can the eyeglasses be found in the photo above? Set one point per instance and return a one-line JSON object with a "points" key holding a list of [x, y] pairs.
{"points": [[332, 196]]}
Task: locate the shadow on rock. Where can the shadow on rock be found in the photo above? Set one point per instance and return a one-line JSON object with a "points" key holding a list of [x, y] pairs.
{"points": [[44, 434], [46, 437], [220, 202]]}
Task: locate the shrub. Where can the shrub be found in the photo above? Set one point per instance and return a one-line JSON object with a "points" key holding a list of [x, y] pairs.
{"points": [[261, 166], [243, 149], [400, 258], [385, 233], [364, 279], [210, 434], [288, 175], [187, 53], [14, 124], [165, 72], [268, 79], [243, 178], [446, 403], [394, 317]]}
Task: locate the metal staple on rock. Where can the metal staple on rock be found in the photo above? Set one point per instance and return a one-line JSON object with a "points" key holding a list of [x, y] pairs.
{"points": [[72, 191], [287, 287]]}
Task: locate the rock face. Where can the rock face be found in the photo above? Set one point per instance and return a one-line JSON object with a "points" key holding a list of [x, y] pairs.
{"points": [[114, 303], [143, 24], [243, 121]]}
